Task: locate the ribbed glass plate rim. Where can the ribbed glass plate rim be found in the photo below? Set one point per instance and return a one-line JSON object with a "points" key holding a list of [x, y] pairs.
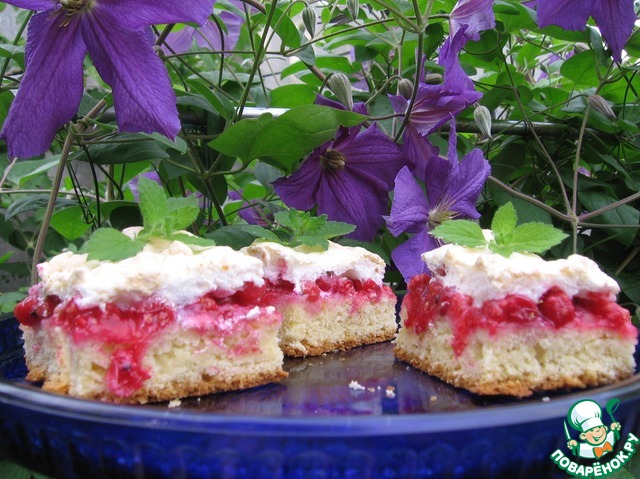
{"points": [[28, 397]]}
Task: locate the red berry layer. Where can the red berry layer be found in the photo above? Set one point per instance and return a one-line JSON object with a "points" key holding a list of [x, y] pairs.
{"points": [[327, 287], [129, 331], [427, 299]]}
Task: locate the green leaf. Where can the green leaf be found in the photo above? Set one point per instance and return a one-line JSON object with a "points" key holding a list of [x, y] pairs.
{"points": [[284, 28], [70, 222], [504, 222], [331, 229], [240, 236], [107, 244], [192, 240], [582, 69], [153, 206], [283, 141], [462, 232], [129, 148], [313, 241], [533, 238], [182, 212], [30, 203], [9, 470]]}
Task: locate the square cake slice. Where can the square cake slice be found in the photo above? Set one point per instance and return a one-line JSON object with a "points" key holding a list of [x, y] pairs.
{"points": [[169, 322], [514, 325], [330, 300]]}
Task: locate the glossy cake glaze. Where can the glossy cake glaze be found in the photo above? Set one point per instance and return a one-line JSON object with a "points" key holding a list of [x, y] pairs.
{"points": [[498, 325]]}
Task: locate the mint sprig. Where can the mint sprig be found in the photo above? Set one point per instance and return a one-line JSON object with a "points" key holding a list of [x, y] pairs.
{"points": [[508, 236], [162, 217]]}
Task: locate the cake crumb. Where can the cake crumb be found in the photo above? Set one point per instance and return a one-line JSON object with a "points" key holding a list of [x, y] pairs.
{"points": [[546, 399], [433, 398], [174, 403], [356, 386], [390, 392], [371, 390]]}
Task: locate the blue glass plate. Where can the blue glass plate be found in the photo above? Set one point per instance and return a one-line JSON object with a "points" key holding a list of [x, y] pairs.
{"points": [[356, 414]]}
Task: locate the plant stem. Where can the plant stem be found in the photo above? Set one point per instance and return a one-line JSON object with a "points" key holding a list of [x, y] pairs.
{"points": [[55, 188]]}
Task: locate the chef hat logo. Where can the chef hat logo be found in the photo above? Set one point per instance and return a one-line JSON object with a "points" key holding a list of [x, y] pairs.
{"points": [[585, 415]]}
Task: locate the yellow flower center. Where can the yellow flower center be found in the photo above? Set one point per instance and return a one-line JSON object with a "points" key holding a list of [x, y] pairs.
{"points": [[333, 160]]}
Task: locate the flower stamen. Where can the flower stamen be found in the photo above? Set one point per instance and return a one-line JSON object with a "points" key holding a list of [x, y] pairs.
{"points": [[71, 8], [333, 160]]}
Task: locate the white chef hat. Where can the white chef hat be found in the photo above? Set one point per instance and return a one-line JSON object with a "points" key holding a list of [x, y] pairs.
{"points": [[585, 415]]}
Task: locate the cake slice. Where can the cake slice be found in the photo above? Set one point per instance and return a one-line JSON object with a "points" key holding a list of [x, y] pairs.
{"points": [[330, 300], [170, 322], [514, 325]]}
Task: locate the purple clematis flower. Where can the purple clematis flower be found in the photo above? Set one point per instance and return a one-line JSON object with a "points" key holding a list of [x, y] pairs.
{"points": [[117, 36], [475, 15], [615, 18], [452, 191], [434, 105], [347, 178], [209, 36]]}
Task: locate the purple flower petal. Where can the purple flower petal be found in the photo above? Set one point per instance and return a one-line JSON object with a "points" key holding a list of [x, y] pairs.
{"points": [[408, 256], [455, 78], [359, 200], [142, 93], [299, 189], [210, 35], [35, 5], [409, 210], [374, 152], [476, 15], [48, 101], [568, 14], [140, 13], [418, 150], [615, 19], [454, 186], [434, 105]]}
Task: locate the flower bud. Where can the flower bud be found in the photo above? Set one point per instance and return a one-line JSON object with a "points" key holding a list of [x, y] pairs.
{"points": [[405, 88], [433, 78], [580, 47], [601, 105], [482, 117], [353, 6], [340, 85], [309, 20]]}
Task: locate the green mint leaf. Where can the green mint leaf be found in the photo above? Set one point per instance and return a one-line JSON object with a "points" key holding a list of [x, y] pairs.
{"points": [[288, 219], [108, 244], [153, 206], [535, 237], [260, 232], [182, 212], [504, 223], [504, 250], [313, 241], [331, 229], [461, 232], [192, 240]]}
